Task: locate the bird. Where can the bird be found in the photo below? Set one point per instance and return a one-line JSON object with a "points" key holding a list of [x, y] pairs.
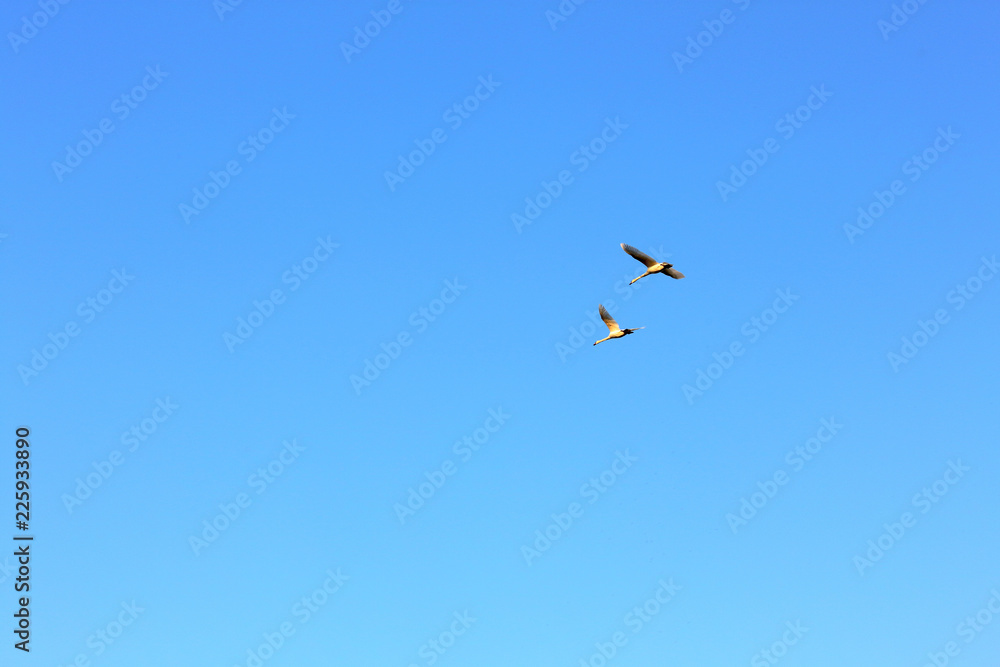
{"points": [[652, 266], [616, 332]]}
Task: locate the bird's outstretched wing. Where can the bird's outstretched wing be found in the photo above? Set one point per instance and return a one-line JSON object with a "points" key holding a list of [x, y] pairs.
{"points": [[639, 255], [673, 273], [608, 320]]}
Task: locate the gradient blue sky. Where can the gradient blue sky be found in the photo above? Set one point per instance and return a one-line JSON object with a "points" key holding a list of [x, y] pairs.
{"points": [[497, 345]]}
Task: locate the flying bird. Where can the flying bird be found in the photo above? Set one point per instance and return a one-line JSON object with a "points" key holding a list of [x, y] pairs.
{"points": [[652, 266], [613, 327]]}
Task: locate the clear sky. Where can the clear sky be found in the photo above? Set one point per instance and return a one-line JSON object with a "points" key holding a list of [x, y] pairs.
{"points": [[300, 321]]}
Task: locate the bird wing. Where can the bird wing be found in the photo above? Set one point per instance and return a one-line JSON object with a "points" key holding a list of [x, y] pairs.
{"points": [[608, 320], [673, 273], [639, 255]]}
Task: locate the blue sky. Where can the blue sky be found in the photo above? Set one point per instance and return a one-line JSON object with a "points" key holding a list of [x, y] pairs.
{"points": [[302, 332]]}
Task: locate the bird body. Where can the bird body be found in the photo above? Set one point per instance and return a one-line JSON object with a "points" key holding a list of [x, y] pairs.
{"points": [[652, 266], [614, 331]]}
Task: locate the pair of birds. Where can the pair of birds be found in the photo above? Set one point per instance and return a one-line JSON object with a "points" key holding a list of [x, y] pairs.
{"points": [[652, 266]]}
